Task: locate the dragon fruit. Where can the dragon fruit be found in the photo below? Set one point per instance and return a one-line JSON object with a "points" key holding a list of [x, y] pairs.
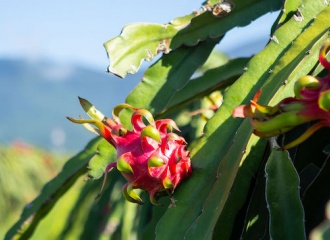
{"points": [[150, 156]]}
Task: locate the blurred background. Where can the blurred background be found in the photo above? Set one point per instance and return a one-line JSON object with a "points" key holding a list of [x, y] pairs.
{"points": [[51, 52]]}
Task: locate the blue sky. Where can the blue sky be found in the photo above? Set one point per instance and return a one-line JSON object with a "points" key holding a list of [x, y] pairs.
{"points": [[74, 31]]}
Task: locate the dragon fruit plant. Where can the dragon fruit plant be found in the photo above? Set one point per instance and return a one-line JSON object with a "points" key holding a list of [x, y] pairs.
{"points": [[262, 174], [151, 157]]}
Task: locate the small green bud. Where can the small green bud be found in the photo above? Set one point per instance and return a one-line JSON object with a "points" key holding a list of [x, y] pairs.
{"points": [[130, 195], [152, 132], [324, 100], [154, 202], [155, 162], [308, 81], [167, 183], [145, 113], [123, 166]]}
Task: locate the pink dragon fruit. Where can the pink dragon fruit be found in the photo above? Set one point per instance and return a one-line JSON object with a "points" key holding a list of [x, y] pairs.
{"points": [[151, 157]]}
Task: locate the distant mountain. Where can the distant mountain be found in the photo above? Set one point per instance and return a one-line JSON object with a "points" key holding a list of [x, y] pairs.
{"points": [[36, 97]]}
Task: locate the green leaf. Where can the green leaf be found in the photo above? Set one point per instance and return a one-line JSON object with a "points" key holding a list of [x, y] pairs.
{"points": [[206, 25], [127, 51], [220, 149], [303, 63], [143, 41], [282, 195], [289, 9], [225, 228], [77, 214], [105, 154], [215, 60], [168, 75], [256, 219], [302, 55], [105, 211], [217, 78], [52, 191]]}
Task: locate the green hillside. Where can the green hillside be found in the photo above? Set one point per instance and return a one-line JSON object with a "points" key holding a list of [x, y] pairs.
{"points": [[35, 98]]}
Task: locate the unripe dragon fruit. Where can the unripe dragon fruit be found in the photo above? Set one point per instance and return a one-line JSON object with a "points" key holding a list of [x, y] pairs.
{"points": [[311, 103], [150, 156]]}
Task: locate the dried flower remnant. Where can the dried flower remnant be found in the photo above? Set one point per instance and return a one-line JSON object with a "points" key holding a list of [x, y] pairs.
{"points": [[163, 46], [222, 8], [150, 156], [311, 103], [219, 9]]}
